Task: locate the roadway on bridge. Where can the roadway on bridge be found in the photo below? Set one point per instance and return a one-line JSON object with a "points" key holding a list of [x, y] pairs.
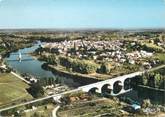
{"points": [[61, 94]]}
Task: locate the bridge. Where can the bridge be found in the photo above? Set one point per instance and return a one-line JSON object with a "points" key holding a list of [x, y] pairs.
{"points": [[98, 87], [20, 57], [22, 53], [115, 86], [121, 82]]}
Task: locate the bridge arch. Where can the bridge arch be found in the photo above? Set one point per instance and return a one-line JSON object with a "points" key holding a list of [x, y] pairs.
{"points": [[127, 84], [106, 89], [93, 90], [117, 86]]}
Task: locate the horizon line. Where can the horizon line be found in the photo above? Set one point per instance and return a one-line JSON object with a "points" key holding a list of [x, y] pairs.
{"points": [[152, 28]]}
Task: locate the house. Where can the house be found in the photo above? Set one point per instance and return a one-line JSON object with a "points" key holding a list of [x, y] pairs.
{"points": [[135, 107], [131, 61], [147, 65], [146, 54]]}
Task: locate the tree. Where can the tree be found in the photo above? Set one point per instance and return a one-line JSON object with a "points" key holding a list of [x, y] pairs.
{"points": [[52, 60], [89, 67], [80, 66], [35, 115], [84, 67], [66, 61], [162, 86], [146, 103], [144, 80], [65, 100], [105, 68], [151, 79], [50, 81], [158, 80], [36, 90], [58, 80]]}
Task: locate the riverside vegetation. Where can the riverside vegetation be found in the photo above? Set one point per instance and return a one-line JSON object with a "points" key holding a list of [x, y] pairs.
{"points": [[119, 53]]}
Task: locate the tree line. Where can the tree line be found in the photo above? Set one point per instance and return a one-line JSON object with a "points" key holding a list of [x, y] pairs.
{"points": [[154, 80], [36, 89]]}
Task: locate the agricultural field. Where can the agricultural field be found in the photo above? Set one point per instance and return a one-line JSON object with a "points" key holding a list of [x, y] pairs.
{"points": [[12, 89], [41, 111]]}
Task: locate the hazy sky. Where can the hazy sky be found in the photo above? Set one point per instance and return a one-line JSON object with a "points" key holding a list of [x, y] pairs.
{"points": [[82, 13]]}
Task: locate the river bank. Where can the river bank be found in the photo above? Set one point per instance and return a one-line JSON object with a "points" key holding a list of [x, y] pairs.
{"points": [[13, 90], [7, 53], [35, 67], [157, 96], [32, 66], [83, 79]]}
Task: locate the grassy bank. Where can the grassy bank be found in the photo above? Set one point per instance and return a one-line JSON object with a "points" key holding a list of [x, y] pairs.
{"points": [[62, 70], [95, 76], [12, 89]]}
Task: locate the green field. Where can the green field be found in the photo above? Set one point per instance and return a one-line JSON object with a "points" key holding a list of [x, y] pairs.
{"points": [[41, 111], [160, 56], [12, 89]]}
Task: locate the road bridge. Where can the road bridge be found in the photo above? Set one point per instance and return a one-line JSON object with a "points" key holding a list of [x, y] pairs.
{"points": [[120, 81], [114, 86]]}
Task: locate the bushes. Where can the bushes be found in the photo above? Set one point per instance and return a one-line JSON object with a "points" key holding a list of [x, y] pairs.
{"points": [[152, 48], [154, 80], [76, 65], [66, 62], [146, 103], [84, 67], [105, 68], [52, 60], [36, 90], [80, 66], [49, 81]]}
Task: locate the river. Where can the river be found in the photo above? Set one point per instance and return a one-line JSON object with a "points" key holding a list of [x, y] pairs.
{"points": [[32, 66]]}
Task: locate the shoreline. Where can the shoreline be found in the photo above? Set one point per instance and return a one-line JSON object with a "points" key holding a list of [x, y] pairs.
{"points": [[84, 80], [17, 75], [20, 77]]}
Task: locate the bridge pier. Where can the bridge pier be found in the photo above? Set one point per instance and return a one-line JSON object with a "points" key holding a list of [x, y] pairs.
{"points": [[98, 90], [111, 84], [121, 84]]}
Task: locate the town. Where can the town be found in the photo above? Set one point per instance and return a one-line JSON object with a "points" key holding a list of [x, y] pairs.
{"points": [[82, 58], [73, 72], [98, 50]]}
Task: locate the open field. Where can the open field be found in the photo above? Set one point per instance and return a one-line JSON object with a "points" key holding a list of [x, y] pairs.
{"points": [[44, 111], [160, 56], [12, 89], [91, 109]]}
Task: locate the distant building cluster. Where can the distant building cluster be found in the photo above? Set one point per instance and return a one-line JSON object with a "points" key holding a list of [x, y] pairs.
{"points": [[97, 50]]}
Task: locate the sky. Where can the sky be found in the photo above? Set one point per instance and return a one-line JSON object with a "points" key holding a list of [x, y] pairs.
{"points": [[82, 14]]}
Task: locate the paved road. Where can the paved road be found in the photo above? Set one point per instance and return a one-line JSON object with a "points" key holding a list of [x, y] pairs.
{"points": [[156, 68], [57, 95], [20, 77], [15, 74], [40, 99], [54, 112]]}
